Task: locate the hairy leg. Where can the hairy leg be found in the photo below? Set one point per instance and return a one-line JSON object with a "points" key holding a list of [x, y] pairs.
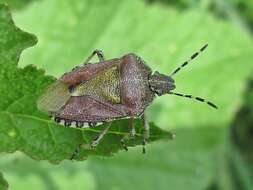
{"points": [[97, 52], [130, 135], [145, 134], [96, 141]]}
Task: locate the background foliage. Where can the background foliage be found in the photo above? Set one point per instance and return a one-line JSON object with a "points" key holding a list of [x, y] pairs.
{"points": [[210, 151]]}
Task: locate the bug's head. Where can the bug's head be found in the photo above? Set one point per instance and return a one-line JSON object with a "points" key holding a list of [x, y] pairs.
{"points": [[161, 84]]}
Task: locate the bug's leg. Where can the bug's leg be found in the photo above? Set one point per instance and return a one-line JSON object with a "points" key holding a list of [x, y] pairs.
{"points": [[123, 144], [97, 52], [92, 124], [132, 128], [96, 141], [145, 134], [76, 152], [130, 135]]}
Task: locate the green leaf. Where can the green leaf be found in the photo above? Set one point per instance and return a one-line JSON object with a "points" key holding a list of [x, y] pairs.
{"points": [[235, 157], [242, 126], [16, 4], [237, 171], [13, 41], [24, 128], [43, 139], [163, 36], [184, 163], [245, 11], [3, 183]]}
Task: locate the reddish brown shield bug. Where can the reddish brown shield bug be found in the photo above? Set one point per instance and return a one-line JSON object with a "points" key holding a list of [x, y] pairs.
{"points": [[109, 90]]}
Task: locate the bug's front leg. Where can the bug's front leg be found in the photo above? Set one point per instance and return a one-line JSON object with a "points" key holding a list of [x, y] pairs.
{"points": [[132, 128], [146, 133], [97, 52]]}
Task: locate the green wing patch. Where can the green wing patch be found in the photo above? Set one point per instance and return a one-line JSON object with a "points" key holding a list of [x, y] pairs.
{"points": [[54, 98], [104, 86]]}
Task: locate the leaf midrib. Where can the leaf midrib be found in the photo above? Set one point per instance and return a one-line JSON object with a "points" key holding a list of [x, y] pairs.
{"points": [[48, 123]]}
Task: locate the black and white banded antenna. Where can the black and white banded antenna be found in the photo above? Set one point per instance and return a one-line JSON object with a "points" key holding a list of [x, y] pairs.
{"points": [[189, 60], [188, 95], [195, 98]]}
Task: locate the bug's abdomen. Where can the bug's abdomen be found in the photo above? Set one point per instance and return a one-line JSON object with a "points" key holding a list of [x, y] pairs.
{"points": [[89, 109]]}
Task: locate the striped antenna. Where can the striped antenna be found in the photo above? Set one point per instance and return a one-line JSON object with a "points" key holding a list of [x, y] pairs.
{"points": [[188, 61], [196, 98]]}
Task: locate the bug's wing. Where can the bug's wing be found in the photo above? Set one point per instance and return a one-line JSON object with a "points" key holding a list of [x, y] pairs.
{"points": [[89, 109], [54, 98], [87, 72]]}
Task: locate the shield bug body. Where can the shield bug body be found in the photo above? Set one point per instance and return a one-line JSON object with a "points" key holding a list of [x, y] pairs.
{"points": [[109, 90]]}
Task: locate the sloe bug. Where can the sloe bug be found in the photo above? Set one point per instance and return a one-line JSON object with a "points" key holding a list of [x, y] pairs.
{"points": [[109, 90]]}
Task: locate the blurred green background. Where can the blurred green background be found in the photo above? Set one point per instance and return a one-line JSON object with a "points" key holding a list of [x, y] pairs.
{"points": [[212, 150]]}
